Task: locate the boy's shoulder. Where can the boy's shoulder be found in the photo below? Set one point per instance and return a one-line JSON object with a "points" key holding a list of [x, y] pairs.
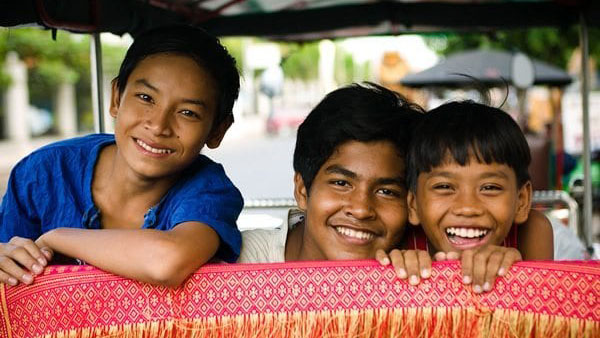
{"points": [[263, 245], [204, 185], [77, 145], [268, 245], [205, 173], [66, 153]]}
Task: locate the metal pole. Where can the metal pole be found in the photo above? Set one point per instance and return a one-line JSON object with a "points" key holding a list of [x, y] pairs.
{"points": [[97, 86], [587, 179]]}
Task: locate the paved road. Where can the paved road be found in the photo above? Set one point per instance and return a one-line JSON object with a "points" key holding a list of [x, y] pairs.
{"points": [[260, 166]]}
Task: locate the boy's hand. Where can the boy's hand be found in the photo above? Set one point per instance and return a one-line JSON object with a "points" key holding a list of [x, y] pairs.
{"points": [[407, 263], [21, 259], [481, 266]]}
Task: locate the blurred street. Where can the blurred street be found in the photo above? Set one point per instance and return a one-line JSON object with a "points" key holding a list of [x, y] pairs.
{"points": [[259, 165]]}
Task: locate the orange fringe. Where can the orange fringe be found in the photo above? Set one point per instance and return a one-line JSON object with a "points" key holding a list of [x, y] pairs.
{"points": [[379, 323]]}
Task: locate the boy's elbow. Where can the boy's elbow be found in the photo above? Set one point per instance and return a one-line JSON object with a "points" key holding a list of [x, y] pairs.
{"points": [[170, 281], [171, 268]]}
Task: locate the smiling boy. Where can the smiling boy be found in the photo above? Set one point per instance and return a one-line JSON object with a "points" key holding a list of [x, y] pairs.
{"points": [[349, 180], [469, 184], [143, 203]]}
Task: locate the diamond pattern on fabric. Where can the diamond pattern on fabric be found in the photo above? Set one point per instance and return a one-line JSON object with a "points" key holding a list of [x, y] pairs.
{"points": [[71, 298]]}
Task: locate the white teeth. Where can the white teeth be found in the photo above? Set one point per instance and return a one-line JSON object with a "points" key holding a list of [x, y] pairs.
{"points": [[466, 232], [151, 149], [355, 233]]}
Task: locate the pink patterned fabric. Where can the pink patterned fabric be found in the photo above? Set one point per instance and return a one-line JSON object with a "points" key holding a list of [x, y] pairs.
{"points": [[66, 298]]}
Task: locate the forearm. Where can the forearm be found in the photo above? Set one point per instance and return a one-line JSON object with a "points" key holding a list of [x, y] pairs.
{"points": [[157, 257]]}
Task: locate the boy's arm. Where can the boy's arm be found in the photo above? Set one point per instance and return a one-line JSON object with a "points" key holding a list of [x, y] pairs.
{"points": [[535, 237], [157, 257]]}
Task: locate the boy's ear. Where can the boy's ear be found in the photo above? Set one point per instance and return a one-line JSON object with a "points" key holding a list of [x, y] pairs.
{"points": [[523, 203], [413, 215], [115, 99], [300, 192], [216, 135]]}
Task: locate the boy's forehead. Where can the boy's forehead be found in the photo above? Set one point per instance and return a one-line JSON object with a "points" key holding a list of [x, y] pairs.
{"points": [[376, 154], [475, 167], [355, 145]]}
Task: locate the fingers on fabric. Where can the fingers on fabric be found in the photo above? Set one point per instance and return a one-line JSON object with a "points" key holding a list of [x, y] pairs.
{"points": [[382, 257], [411, 264], [20, 260]]}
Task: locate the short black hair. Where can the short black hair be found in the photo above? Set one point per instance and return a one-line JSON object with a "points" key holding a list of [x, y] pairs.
{"points": [[463, 129], [195, 43], [358, 112]]}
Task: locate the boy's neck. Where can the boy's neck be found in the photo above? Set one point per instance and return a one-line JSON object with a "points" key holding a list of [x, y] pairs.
{"points": [[116, 191], [293, 244]]}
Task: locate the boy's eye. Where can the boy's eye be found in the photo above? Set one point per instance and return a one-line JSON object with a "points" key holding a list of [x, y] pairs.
{"points": [[189, 113], [491, 187], [442, 186], [340, 183], [390, 192], [144, 97]]}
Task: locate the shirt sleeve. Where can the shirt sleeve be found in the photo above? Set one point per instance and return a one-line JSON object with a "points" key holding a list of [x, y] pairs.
{"points": [[216, 202], [262, 246], [18, 216]]}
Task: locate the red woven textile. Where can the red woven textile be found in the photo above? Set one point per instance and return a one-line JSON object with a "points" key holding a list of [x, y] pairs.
{"points": [[239, 299]]}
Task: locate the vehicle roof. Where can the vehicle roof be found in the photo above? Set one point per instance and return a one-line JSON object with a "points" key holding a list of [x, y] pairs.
{"points": [[298, 19]]}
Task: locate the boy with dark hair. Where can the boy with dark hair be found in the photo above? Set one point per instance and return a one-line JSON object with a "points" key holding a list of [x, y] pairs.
{"points": [[349, 180], [143, 203], [470, 188]]}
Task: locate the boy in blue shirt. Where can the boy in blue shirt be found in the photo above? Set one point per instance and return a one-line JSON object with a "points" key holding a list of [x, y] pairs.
{"points": [[143, 203]]}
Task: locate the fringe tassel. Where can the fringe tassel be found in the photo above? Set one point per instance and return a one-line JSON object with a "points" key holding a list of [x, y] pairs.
{"points": [[376, 323]]}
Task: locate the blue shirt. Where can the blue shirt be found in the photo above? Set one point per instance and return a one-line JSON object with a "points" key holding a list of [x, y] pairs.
{"points": [[52, 188]]}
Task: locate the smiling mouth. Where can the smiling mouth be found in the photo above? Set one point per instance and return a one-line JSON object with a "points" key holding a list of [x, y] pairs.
{"points": [[354, 234], [466, 237], [153, 150]]}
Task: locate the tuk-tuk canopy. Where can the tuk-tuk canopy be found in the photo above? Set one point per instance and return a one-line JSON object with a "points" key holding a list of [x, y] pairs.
{"points": [[298, 19]]}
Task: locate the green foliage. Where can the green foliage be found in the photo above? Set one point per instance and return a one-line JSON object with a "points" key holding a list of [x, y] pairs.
{"points": [[51, 63], [111, 59], [548, 44], [344, 67], [55, 72], [301, 60], [347, 70], [235, 46], [5, 80]]}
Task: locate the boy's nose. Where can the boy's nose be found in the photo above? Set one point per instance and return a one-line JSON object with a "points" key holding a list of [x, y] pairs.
{"points": [[359, 206], [159, 123], [467, 204]]}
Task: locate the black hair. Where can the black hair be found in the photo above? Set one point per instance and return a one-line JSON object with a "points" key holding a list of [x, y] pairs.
{"points": [[359, 112], [463, 130], [195, 43]]}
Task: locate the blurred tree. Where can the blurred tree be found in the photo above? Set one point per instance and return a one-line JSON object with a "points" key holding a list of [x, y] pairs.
{"points": [[347, 70], [235, 46], [51, 62], [344, 67], [301, 61], [548, 44]]}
